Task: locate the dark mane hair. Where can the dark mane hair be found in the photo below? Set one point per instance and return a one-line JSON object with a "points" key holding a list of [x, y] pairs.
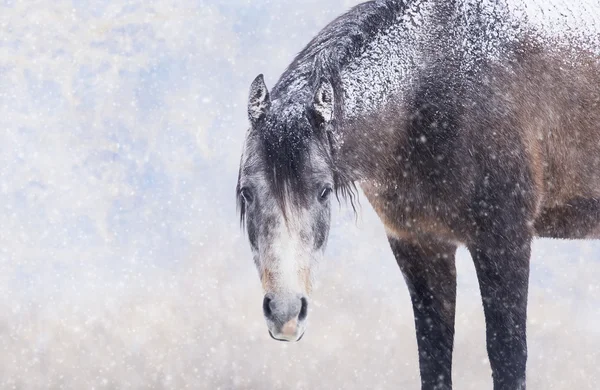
{"points": [[340, 41]]}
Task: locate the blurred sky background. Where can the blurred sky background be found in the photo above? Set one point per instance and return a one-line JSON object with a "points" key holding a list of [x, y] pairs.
{"points": [[122, 264]]}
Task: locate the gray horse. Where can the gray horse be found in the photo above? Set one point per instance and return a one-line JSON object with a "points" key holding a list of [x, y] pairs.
{"points": [[464, 123]]}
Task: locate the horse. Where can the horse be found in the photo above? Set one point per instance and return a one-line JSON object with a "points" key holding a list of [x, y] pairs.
{"points": [[464, 124]]}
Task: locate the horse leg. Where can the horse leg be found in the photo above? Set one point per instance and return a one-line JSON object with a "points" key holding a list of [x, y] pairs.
{"points": [[502, 265], [430, 274]]}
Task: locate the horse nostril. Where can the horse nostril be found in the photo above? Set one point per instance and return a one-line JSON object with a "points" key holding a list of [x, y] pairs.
{"points": [[267, 307], [303, 309]]}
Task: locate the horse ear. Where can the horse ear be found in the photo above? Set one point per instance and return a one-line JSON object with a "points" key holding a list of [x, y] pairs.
{"points": [[259, 100], [324, 102]]}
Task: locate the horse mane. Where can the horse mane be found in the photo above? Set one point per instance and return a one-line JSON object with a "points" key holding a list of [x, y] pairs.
{"points": [[340, 41]]}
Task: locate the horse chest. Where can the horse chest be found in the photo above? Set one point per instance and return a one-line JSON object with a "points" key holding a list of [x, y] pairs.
{"points": [[412, 214]]}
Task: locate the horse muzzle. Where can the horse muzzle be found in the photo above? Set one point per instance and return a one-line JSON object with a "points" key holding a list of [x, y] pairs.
{"points": [[285, 315]]}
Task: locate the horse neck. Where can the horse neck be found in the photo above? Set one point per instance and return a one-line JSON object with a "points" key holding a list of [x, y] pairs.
{"points": [[368, 147]]}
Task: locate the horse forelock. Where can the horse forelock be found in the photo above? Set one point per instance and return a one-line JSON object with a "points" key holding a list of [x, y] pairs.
{"points": [[287, 147], [286, 152]]}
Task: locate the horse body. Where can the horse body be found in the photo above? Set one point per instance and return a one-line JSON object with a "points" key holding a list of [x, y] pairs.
{"points": [[465, 124], [533, 98], [542, 113]]}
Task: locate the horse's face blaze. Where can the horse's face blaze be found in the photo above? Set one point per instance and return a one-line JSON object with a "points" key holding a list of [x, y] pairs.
{"points": [[284, 198], [285, 239]]}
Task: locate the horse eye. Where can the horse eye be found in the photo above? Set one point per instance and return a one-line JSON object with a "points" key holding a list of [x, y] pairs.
{"points": [[324, 194], [246, 194]]}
